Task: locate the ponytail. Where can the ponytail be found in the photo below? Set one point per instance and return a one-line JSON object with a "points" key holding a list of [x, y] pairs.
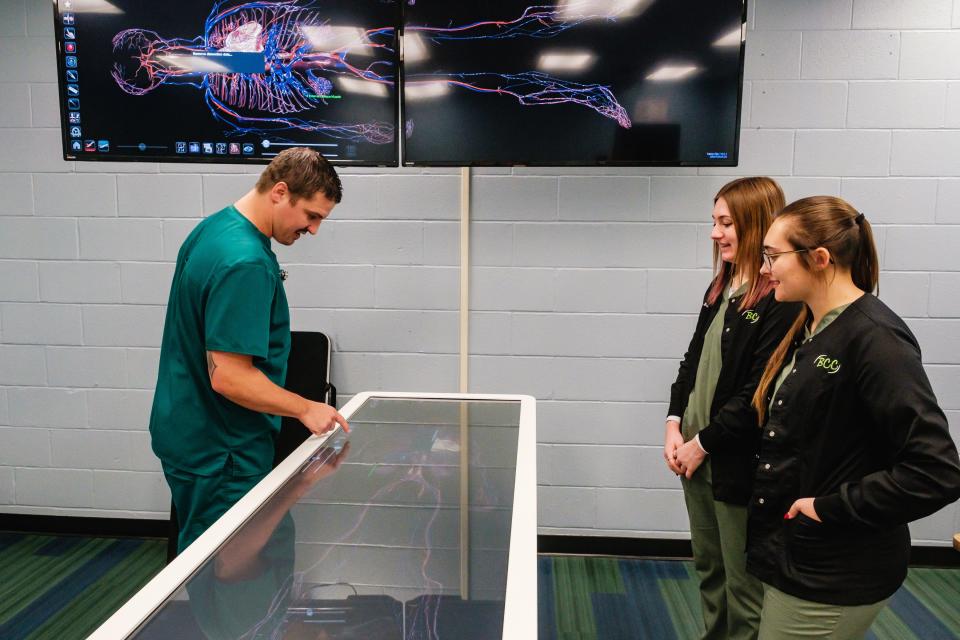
{"points": [[865, 269]]}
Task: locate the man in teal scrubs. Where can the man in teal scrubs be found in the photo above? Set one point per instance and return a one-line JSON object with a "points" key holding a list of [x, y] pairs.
{"points": [[226, 338]]}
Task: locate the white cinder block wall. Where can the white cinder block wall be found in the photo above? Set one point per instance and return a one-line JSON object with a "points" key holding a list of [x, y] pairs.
{"points": [[584, 281]]}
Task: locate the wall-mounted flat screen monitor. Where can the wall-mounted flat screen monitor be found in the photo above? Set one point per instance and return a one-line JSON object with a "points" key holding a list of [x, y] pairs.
{"points": [[572, 82], [228, 81]]}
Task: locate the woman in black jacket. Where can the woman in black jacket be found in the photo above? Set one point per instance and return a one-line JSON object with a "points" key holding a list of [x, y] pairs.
{"points": [[739, 326], [854, 445]]}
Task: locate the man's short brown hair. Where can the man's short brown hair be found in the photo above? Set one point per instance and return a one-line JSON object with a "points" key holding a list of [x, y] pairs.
{"points": [[305, 172]]}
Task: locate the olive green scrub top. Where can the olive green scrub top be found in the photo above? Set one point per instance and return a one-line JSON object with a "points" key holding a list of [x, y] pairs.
{"points": [[696, 417]]}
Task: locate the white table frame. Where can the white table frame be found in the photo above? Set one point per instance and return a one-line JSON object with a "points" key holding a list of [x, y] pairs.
{"points": [[520, 611]]}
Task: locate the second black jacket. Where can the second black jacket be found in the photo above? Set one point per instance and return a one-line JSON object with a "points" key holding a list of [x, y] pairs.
{"points": [[732, 438], [857, 427]]}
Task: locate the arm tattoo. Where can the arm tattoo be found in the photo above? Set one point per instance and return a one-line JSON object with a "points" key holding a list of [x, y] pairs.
{"points": [[211, 365]]}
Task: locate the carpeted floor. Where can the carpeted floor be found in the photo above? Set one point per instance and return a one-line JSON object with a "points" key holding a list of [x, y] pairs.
{"points": [[594, 598], [62, 588]]}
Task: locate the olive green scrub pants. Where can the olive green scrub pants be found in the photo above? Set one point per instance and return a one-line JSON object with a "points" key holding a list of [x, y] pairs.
{"points": [[730, 597], [787, 617]]}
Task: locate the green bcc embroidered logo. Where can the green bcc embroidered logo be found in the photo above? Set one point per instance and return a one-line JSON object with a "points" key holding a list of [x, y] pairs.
{"points": [[751, 316], [826, 362]]}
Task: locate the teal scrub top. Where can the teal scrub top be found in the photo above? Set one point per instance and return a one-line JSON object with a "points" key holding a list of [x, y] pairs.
{"points": [[227, 295]]}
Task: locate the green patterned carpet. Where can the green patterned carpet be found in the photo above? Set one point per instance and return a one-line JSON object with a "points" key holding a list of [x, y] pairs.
{"points": [[63, 587], [594, 598]]}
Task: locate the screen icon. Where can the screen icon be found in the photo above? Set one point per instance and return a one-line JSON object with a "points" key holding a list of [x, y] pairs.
{"points": [[73, 75], [248, 148], [70, 47], [221, 148], [73, 90], [67, 18], [71, 62], [234, 148], [76, 145], [194, 147], [75, 132], [73, 104], [74, 117], [103, 146], [208, 147], [69, 33], [89, 146], [180, 147]]}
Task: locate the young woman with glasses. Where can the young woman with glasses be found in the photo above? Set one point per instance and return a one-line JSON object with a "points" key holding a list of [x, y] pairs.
{"points": [[854, 445], [711, 433]]}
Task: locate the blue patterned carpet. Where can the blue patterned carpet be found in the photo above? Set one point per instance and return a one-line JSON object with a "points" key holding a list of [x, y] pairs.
{"points": [[62, 588], [594, 598]]}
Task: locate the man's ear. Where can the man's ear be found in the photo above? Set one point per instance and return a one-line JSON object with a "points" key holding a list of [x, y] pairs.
{"points": [[821, 258], [278, 191]]}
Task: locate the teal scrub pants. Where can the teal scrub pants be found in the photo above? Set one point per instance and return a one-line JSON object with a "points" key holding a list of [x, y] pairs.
{"points": [[201, 500]]}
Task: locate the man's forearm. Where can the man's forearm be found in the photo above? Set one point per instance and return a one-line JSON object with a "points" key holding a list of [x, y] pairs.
{"points": [[252, 389]]}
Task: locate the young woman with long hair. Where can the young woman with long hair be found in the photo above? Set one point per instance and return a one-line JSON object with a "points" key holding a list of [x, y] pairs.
{"points": [[711, 433], [854, 445]]}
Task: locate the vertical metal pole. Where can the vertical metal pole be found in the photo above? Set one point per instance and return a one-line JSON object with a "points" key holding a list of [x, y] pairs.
{"points": [[464, 278], [464, 383]]}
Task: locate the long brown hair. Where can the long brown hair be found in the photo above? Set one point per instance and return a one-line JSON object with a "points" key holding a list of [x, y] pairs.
{"points": [[752, 203], [832, 223]]}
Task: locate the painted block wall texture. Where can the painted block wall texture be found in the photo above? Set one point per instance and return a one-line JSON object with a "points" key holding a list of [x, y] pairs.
{"points": [[584, 281]]}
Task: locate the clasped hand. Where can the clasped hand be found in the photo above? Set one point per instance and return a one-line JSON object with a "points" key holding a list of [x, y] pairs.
{"points": [[683, 458]]}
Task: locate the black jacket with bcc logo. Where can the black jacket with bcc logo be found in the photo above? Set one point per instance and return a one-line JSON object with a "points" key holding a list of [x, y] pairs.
{"points": [[732, 437], [855, 425]]}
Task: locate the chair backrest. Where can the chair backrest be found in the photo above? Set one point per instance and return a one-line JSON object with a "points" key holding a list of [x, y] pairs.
{"points": [[308, 375]]}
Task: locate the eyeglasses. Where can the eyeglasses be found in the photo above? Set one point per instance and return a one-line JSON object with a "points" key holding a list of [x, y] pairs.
{"points": [[768, 258]]}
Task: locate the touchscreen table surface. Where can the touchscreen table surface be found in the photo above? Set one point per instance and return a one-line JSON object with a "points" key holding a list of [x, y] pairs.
{"points": [[400, 529]]}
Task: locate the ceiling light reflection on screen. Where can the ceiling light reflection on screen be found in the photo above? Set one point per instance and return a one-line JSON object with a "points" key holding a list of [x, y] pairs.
{"points": [[199, 64], [731, 39], [329, 38], [601, 9], [425, 90], [366, 87], [414, 48], [670, 72], [568, 61]]}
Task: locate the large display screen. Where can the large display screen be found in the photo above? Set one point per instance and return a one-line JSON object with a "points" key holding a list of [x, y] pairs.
{"points": [[572, 82], [401, 532], [228, 81]]}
